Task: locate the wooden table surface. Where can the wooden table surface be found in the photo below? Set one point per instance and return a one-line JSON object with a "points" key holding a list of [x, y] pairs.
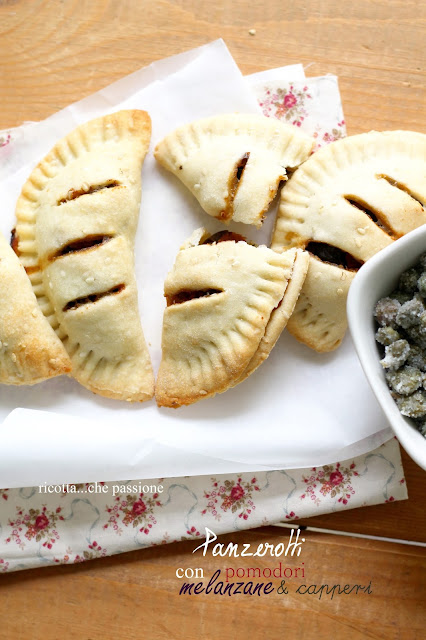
{"points": [[55, 52]]}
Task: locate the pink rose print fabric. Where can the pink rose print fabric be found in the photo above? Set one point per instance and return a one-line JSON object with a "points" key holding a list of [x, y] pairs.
{"points": [[37, 524], [236, 496], [5, 138], [313, 104], [38, 529], [333, 480], [133, 510]]}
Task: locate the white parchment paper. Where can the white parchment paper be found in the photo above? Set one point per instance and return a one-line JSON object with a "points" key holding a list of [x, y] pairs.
{"points": [[299, 409]]}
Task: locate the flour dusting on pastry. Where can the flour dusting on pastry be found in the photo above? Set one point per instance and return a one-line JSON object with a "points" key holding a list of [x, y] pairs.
{"points": [[234, 164], [227, 303], [76, 224], [344, 204], [30, 351]]}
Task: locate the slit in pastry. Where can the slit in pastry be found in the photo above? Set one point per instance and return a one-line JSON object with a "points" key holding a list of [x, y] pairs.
{"points": [[333, 255], [402, 187], [233, 184], [72, 305], [180, 297], [375, 216], [82, 244], [73, 194]]}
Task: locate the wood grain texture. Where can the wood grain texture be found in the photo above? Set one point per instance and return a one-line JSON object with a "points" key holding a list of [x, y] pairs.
{"points": [[139, 595], [55, 52]]}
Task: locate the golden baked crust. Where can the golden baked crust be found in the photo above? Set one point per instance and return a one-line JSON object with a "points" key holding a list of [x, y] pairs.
{"points": [[76, 222], [233, 164], [30, 351], [351, 198], [227, 305], [281, 315]]}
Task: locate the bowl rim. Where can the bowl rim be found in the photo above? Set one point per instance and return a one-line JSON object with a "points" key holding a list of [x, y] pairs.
{"points": [[363, 336]]}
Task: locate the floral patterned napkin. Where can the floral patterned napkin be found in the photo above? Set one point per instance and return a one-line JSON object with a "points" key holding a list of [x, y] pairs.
{"points": [[313, 104], [80, 523], [76, 523]]}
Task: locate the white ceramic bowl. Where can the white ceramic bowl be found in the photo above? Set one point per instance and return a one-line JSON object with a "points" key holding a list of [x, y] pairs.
{"points": [[375, 280]]}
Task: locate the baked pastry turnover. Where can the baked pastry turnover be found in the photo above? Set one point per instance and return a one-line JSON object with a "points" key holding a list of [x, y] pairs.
{"points": [[76, 223], [30, 351], [347, 202], [227, 303], [233, 164]]}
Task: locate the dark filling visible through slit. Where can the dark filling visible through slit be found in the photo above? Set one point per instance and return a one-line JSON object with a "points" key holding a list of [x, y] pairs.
{"points": [[14, 242], [82, 244], [400, 186], [93, 297], [233, 184], [76, 193], [363, 206], [333, 255], [224, 236], [185, 296], [242, 165]]}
